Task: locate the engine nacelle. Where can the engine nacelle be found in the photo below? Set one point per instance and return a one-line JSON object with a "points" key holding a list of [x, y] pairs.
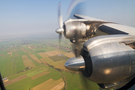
{"points": [[71, 26], [109, 59]]}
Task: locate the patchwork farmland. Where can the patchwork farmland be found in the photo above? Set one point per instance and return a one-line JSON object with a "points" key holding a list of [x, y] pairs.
{"points": [[27, 62], [35, 58], [38, 65]]}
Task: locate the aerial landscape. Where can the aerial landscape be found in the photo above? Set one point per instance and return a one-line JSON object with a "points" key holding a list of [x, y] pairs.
{"points": [[67, 45], [38, 64]]}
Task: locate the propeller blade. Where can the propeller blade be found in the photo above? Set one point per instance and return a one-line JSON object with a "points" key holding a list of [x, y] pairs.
{"points": [[60, 35], [60, 21], [74, 8], [60, 16], [77, 45]]}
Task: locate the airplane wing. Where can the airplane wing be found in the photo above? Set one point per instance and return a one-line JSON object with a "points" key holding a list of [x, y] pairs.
{"points": [[108, 60], [102, 54], [110, 28]]}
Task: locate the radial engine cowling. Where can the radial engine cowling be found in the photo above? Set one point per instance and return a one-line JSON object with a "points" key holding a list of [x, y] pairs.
{"points": [[72, 26], [109, 58]]}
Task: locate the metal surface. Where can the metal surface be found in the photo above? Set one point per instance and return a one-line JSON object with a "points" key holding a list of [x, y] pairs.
{"points": [[84, 27], [112, 28], [116, 85], [112, 60], [96, 41], [70, 26], [107, 60], [59, 30], [75, 64]]}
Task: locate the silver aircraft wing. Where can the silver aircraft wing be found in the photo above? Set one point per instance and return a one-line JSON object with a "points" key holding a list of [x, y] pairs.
{"points": [[87, 18], [110, 28]]}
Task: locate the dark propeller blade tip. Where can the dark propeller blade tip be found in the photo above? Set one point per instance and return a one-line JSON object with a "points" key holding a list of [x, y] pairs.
{"points": [[76, 44], [60, 36]]}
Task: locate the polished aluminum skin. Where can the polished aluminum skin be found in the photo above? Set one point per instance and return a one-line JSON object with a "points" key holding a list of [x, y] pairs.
{"points": [[116, 85], [96, 41], [81, 27], [59, 30], [75, 64], [72, 25], [112, 60]]}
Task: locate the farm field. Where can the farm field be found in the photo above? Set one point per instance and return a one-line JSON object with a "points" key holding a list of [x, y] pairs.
{"points": [[70, 55], [35, 58], [27, 62], [50, 85], [15, 80], [43, 55], [39, 75], [38, 64]]}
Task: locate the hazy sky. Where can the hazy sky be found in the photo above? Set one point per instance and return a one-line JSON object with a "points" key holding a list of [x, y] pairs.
{"points": [[36, 16]]}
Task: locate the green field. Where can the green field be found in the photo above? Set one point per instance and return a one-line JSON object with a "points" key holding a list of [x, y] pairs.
{"points": [[37, 55], [36, 71], [28, 83], [12, 65], [26, 72], [78, 80], [58, 58]]}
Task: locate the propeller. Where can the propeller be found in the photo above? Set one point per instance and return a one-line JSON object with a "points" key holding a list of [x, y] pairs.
{"points": [[60, 21], [75, 8], [77, 33], [77, 44]]}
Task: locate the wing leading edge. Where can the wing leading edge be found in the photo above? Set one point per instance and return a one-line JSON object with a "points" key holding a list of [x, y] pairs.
{"points": [[110, 28]]}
